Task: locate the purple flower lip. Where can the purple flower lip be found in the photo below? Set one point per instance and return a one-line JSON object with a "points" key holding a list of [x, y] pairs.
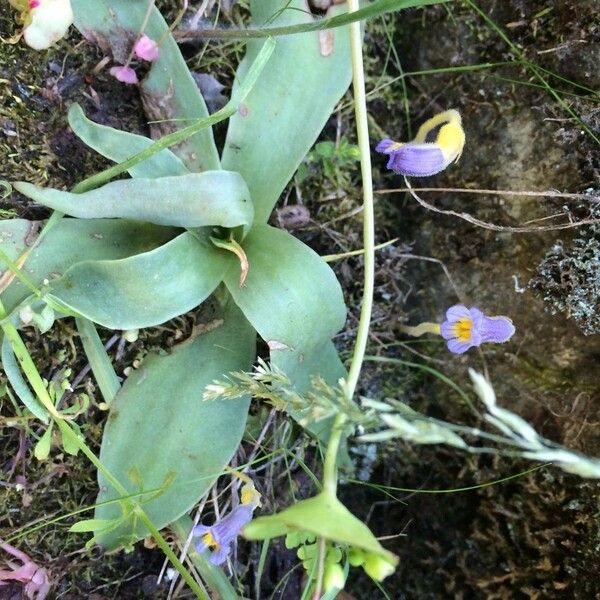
{"points": [[223, 533], [466, 328], [416, 160]]}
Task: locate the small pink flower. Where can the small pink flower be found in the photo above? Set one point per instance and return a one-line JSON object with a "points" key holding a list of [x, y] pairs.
{"points": [[35, 578], [146, 49], [124, 74]]}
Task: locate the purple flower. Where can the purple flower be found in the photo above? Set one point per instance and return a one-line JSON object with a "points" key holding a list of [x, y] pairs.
{"points": [[146, 49], [124, 74], [465, 328], [423, 157], [222, 534]]}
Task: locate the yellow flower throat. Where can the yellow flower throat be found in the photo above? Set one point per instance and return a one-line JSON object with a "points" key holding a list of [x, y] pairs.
{"points": [[463, 329], [209, 541]]}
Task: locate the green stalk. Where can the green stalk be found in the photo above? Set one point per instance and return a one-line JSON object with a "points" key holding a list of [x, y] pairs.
{"points": [[362, 128], [362, 336], [27, 365], [368, 12]]}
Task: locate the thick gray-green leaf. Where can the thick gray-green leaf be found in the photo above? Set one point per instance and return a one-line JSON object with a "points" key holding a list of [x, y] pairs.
{"points": [[146, 289], [170, 95], [71, 241], [160, 434], [289, 105], [218, 198], [291, 296], [119, 145]]}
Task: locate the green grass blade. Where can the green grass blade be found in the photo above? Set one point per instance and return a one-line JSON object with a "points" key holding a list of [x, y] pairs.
{"points": [[102, 368]]}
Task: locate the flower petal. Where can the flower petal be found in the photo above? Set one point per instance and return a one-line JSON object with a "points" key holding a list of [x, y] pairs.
{"points": [[417, 160], [459, 347], [457, 312], [124, 74], [497, 329], [385, 146], [50, 21], [219, 556], [146, 49]]}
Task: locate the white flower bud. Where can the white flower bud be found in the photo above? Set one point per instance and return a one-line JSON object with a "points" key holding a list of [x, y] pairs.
{"points": [[50, 20]]}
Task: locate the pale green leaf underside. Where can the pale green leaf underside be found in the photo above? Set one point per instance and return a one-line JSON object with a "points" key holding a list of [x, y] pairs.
{"points": [[291, 296], [217, 198], [71, 241], [117, 145], [324, 516], [146, 289], [160, 428], [288, 107], [169, 93]]}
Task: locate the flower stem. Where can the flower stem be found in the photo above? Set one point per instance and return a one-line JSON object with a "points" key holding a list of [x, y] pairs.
{"points": [[362, 128]]}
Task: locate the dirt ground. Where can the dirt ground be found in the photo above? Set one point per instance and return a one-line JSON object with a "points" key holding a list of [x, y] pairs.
{"points": [[534, 536]]}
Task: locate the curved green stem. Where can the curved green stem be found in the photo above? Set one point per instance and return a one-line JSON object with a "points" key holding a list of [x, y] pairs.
{"points": [[370, 11], [362, 128], [362, 336]]}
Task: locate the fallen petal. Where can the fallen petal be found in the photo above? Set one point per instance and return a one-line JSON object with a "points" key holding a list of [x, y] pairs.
{"points": [[124, 74]]}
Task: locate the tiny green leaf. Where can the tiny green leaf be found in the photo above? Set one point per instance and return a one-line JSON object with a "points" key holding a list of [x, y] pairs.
{"points": [[42, 448], [91, 525]]}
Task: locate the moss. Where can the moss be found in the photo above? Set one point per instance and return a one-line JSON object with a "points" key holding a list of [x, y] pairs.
{"points": [[568, 279]]}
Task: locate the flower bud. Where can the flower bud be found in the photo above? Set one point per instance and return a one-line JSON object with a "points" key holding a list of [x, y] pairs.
{"points": [[333, 578], [50, 20], [377, 567]]}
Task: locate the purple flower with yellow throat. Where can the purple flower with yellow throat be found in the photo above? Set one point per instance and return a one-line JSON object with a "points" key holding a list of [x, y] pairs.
{"points": [[439, 142], [219, 538], [465, 328]]}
